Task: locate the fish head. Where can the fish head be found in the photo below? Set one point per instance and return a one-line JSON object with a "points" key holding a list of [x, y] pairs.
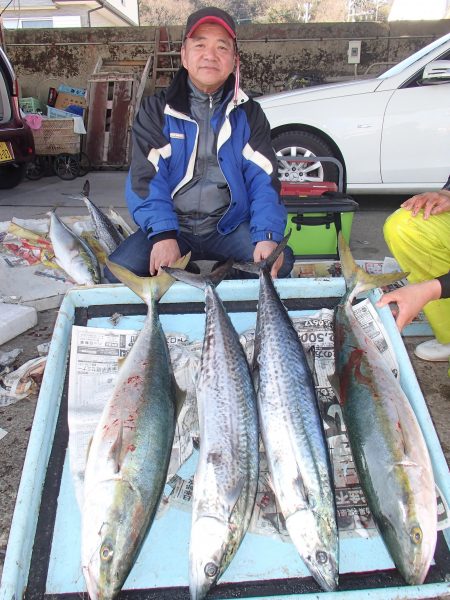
{"points": [[411, 534], [208, 554], [316, 540], [111, 537]]}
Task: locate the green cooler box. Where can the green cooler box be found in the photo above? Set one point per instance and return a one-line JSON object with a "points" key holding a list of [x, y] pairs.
{"points": [[315, 221]]}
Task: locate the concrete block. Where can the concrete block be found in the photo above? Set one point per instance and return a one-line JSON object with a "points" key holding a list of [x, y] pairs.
{"points": [[15, 319]]}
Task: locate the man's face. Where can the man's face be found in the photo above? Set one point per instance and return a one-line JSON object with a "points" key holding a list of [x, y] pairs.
{"points": [[208, 56]]}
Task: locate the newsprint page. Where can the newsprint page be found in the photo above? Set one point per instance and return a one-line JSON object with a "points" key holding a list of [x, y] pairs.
{"points": [[93, 368]]}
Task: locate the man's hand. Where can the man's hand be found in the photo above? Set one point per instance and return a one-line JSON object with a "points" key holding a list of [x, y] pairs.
{"points": [[164, 254], [432, 203], [263, 250], [411, 299]]}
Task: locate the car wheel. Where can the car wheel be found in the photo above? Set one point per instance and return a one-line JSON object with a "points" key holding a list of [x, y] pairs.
{"points": [[11, 175], [295, 144]]}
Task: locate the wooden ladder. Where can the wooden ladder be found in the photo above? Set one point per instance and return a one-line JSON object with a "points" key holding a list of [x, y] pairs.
{"points": [[166, 60]]}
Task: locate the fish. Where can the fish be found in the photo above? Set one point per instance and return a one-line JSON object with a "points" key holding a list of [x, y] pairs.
{"points": [[72, 253], [105, 230], [226, 477], [129, 453], [292, 431], [388, 447]]}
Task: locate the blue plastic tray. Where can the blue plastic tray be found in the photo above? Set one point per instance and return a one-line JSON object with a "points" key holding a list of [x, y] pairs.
{"points": [[46, 510]]}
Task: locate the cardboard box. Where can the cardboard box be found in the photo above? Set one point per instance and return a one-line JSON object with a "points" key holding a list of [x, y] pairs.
{"points": [[64, 100]]}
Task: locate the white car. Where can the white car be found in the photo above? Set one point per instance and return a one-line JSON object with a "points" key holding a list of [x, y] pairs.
{"points": [[391, 133]]}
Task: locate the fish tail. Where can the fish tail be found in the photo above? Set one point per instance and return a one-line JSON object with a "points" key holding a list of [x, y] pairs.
{"points": [[356, 279], [148, 288], [86, 189], [267, 263], [201, 281]]}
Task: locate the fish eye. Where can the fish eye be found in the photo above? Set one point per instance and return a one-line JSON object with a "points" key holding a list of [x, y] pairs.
{"points": [[106, 553], [211, 570], [321, 557], [416, 535]]}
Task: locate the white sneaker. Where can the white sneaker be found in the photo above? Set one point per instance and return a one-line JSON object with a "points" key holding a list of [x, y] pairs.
{"points": [[433, 351]]}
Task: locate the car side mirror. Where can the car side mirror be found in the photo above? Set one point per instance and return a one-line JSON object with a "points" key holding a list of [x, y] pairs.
{"points": [[437, 71]]}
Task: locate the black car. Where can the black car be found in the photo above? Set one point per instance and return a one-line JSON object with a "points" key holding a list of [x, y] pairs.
{"points": [[16, 138]]}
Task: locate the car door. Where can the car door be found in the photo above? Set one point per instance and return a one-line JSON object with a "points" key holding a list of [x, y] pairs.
{"points": [[415, 144]]}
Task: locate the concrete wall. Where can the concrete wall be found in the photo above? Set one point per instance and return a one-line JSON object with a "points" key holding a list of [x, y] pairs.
{"points": [[270, 54]]}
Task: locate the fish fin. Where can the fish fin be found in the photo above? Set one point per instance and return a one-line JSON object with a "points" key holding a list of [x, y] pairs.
{"points": [[198, 281], [267, 263], [116, 449], [233, 495], [180, 397], [202, 281], [356, 278], [310, 360], [147, 288], [88, 449], [334, 382]]}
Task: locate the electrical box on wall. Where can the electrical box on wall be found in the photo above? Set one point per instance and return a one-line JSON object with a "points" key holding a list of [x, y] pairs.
{"points": [[354, 52]]}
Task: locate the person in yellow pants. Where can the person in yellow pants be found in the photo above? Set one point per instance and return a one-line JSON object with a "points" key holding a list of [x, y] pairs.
{"points": [[418, 235]]}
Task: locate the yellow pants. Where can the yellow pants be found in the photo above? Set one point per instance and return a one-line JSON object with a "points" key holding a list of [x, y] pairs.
{"points": [[423, 249]]}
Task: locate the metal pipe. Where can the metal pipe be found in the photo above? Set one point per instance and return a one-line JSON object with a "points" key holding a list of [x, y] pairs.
{"points": [[91, 10]]}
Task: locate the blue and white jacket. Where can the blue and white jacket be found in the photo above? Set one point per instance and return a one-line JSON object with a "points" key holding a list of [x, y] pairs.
{"points": [[163, 157]]}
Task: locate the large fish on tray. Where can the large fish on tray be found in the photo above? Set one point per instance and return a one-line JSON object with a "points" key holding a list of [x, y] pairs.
{"points": [[72, 253], [292, 431], [130, 450], [388, 447], [226, 478]]}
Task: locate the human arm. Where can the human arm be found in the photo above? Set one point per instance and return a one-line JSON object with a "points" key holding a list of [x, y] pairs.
{"points": [[263, 250], [148, 192], [432, 203], [163, 254], [410, 299], [268, 214]]}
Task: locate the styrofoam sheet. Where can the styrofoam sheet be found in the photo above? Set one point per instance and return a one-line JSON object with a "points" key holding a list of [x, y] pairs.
{"points": [[259, 557]]}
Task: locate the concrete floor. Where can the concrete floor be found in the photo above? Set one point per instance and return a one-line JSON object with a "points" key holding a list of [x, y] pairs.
{"points": [[33, 199]]}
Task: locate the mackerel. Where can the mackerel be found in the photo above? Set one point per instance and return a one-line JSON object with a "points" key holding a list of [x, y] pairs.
{"points": [[226, 477], [292, 431], [388, 446], [129, 454]]}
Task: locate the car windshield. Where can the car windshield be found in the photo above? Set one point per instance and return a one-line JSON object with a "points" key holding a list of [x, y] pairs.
{"points": [[413, 58]]}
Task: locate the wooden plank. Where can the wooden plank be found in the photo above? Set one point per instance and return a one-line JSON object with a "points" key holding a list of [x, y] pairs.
{"points": [[155, 62], [119, 128], [95, 138], [143, 81]]}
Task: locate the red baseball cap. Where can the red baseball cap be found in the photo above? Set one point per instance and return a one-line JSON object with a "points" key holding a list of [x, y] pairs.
{"points": [[211, 14]]}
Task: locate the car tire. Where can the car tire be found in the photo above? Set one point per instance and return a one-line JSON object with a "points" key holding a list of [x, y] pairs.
{"points": [[303, 143], [11, 175]]}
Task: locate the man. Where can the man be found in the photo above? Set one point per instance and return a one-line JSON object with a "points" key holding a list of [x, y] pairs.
{"points": [[418, 235], [203, 175]]}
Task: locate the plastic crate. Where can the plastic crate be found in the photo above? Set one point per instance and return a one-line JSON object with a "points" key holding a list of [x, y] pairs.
{"points": [[56, 136], [57, 113], [31, 105]]}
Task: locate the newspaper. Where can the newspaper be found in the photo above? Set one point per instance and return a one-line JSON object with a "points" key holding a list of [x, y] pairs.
{"points": [[93, 367], [94, 363], [19, 384]]}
